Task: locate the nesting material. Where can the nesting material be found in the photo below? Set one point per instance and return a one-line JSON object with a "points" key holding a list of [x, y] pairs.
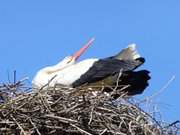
{"points": [[77, 111]]}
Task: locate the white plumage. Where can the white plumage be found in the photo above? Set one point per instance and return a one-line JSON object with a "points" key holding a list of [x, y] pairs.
{"points": [[62, 75]]}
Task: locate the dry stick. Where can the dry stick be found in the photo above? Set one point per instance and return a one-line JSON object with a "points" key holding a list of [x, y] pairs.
{"points": [[62, 119], [106, 109], [122, 133], [14, 76], [130, 127], [172, 124], [117, 81], [91, 116], [20, 127], [81, 130], [55, 102], [6, 122], [34, 126], [53, 127], [73, 107], [23, 79], [47, 83], [161, 90], [103, 131]]}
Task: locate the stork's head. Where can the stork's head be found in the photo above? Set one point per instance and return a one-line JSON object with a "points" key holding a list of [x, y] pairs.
{"points": [[70, 60], [44, 75]]}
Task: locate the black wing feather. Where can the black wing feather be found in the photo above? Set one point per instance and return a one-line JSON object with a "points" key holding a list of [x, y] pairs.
{"points": [[106, 67]]}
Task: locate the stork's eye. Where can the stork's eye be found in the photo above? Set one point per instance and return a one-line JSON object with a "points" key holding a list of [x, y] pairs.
{"points": [[69, 59]]}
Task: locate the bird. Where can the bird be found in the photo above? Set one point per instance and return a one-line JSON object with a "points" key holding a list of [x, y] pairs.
{"points": [[117, 69]]}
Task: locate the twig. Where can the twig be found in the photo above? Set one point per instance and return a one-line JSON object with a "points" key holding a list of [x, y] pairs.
{"points": [[81, 130], [117, 81], [20, 127], [91, 116], [163, 88], [34, 126], [64, 120], [103, 131], [172, 124]]}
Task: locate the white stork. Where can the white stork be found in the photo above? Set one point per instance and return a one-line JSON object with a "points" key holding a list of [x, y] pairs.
{"points": [[71, 73]]}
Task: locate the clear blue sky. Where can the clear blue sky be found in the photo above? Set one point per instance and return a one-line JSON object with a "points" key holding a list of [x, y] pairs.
{"points": [[37, 33]]}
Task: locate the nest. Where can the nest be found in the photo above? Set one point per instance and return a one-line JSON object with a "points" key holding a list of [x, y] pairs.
{"points": [[73, 111]]}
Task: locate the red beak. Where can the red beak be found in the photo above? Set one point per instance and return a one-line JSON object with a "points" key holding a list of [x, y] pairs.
{"points": [[83, 49]]}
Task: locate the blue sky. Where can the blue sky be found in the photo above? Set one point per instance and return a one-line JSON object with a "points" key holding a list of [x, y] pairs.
{"points": [[34, 34]]}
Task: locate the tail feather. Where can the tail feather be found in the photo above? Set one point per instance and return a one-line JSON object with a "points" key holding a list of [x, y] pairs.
{"points": [[129, 53], [137, 81], [130, 83]]}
